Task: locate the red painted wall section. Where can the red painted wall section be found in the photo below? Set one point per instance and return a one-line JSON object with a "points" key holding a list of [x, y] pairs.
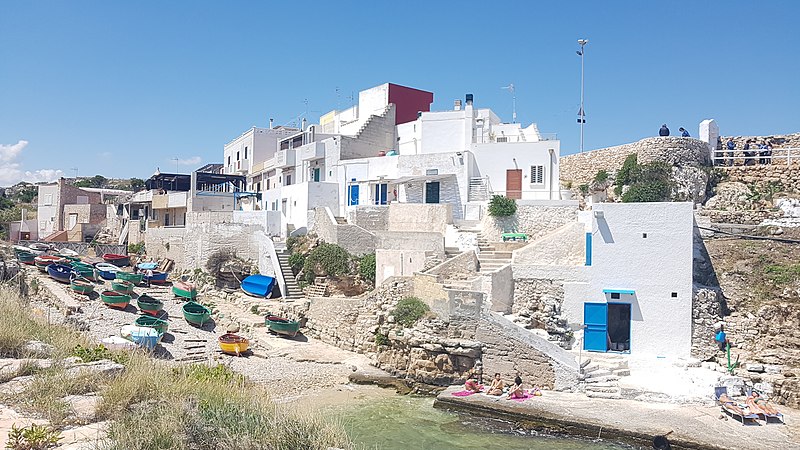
{"points": [[408, 101]]}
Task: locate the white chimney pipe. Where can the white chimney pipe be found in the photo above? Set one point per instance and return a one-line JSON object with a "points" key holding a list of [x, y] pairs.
{"points": [[271, 120]]}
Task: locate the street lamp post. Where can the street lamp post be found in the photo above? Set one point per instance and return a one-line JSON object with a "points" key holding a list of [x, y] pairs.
{"points": [[581, 113]]}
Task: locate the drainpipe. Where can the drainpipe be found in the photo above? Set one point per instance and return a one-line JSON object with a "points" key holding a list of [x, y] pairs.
{"points": [[550, 174]]}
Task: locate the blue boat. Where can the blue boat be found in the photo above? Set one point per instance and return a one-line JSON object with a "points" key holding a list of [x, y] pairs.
{"points": [[157, 277], [147, 266], [258, 285], [107, 271], [60, 272]]}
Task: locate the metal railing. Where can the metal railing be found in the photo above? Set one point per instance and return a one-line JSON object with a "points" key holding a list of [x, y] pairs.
{"points": [[755, 156]]}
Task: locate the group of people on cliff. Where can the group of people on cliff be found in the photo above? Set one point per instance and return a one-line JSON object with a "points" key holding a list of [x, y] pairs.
{"points": [[498, 388], [763, 151], [664, 131]]}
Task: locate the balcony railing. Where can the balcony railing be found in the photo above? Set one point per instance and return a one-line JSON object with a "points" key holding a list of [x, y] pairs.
{"points": [[756, 156]]}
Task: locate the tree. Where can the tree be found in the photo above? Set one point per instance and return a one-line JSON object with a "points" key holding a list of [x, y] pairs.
{"points": [[500, 206], [99, 181], [137, 184]]}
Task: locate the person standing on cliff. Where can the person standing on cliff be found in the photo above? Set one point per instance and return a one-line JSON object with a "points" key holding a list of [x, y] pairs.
{"points": [[748, 155], [663, 131], [731, 146], [684, 133]]}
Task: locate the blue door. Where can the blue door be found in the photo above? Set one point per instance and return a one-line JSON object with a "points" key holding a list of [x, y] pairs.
{"points": [[353, 195], [595, 319]]}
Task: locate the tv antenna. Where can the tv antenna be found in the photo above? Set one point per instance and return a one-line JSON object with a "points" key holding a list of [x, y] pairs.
{"points": [[75, 169], [511, 89], [176, 163]]}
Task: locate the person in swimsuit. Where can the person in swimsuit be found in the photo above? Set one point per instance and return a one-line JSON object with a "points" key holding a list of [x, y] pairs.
{"points": [[496, 388]]}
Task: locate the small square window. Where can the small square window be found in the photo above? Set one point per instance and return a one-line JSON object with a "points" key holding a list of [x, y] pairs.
{"points": [[615, 296], [674, 295], [644, 235]]}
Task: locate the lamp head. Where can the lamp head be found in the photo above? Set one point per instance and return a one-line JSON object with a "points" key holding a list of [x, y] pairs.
{"points": [[583, 42]]}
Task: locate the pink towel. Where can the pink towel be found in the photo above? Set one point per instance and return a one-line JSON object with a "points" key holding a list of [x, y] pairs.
{"points": [[521, 399], [463, 393]]}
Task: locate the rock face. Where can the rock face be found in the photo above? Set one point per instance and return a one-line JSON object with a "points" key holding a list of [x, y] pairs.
{"points": [[534, 220], [537, 303], [581, 168]]}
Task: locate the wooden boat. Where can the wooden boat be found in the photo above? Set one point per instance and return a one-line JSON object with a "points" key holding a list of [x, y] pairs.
{"points": [[196, 314], [155, 323], [114, 299], [117, 260], [184, 289], [84, 270], [233, 344], [157, 277], [122, 286], [24, 256], [107, 271], [39, 247], [258, 285], [81, 286], [42, 261], [147, 266], [282, 326], [134, 278], [149, 305], [69, 255], [60, 272]]}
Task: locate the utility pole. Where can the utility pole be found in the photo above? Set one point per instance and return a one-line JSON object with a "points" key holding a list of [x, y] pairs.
{"points": [[176, 163], [511, 89], [581, 112]]}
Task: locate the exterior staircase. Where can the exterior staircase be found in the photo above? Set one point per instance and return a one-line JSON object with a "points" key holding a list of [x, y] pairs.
{"points": [[478, 189], [602, 372], [293, 290], [341, 220], [489, 259]]}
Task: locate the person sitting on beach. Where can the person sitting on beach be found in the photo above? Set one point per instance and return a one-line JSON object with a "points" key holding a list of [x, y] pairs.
{"points": [[516, 391], [496, 388], [472, 385], [758, 404], [536, 391]]}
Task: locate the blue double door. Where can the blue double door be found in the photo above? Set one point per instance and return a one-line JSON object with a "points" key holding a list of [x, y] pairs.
{"points": [[607, 326]]}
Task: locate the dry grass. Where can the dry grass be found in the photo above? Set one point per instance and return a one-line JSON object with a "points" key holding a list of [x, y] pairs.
{"points": [[154, 406]]}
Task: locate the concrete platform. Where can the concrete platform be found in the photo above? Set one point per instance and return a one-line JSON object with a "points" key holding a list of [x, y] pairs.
{"points": [[630, 421]]}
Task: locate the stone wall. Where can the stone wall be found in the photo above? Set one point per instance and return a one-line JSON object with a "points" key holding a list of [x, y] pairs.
{"points": [[536, 219], [352, 238], [372, 218], [581, 168], [537, 304], [462, 266], [565, 246], [420, 216], [779, 142], [760, 177]]}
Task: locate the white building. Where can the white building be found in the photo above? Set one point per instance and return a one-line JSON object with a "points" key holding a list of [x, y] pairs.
{"points": [[254, 146], [391, 148]]}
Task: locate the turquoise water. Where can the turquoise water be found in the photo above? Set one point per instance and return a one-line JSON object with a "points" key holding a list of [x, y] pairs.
{"points": [[405, 422]]}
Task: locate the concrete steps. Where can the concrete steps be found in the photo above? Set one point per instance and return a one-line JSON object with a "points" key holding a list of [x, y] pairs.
{"points": [[601, 375], [341, 220], [293, 290]]}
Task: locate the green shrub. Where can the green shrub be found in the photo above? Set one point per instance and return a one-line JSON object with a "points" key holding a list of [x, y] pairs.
{"points": [[136, 249], [327, 259], [650, 182], [654, 191], [500, 206], [91, 354], [601, 176], [409, 310], [783, 274], [628, 173], [32, 437], [296, 262], [382, 339], [584, 188], [291, 243], [366, 267]]}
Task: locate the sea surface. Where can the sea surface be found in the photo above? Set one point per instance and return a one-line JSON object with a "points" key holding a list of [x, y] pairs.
{"points": [[408, 422]]}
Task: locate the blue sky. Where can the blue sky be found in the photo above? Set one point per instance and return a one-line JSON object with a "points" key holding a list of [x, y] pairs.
{"points": [[120, 88]]}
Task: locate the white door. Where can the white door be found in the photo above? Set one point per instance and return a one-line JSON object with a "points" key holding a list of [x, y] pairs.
{"points": [[73, 220]]}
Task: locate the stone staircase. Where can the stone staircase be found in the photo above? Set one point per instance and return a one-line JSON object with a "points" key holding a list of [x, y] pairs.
{"points": [[341, 220], [601, 372], [489, 259], [478, 189], [293, 290]]}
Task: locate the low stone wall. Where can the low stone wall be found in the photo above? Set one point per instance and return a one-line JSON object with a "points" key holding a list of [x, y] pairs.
{"points": [[536, 219], [420, 217], [462, 266], [761, 177], [581, 168], [372, 218], [352, 238]]}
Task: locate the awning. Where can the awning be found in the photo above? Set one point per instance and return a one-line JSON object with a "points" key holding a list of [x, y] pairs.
{"points": [[421, 178], [619, 291]]}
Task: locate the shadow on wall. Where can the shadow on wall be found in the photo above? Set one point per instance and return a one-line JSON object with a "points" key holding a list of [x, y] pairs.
{"points": [[605, 232]]}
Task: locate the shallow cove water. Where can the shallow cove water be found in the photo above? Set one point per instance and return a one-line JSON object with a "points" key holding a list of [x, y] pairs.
{"points": [[407, 422]]}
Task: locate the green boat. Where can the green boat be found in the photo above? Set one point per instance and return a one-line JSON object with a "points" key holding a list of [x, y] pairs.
{"points": [[155, 323], [184, 289], [123, 287], [115, 299], [282, 326], [149, 305], [81, 286], [84, 270], [196, 314], [134, 278], [25, 257]]}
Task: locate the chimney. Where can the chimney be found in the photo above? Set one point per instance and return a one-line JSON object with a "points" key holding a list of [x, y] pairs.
{"points": [[271, 121], [457, 105], [303, 125], [469, 99]]}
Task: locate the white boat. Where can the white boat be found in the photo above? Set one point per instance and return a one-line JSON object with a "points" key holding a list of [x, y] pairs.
{"points": [[118, 343], [145, 337]]}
